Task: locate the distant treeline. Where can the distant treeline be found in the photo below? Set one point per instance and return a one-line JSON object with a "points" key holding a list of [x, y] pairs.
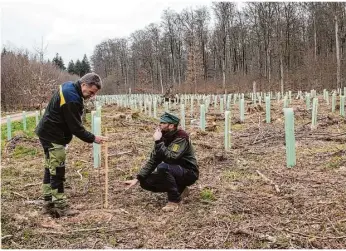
{"points": [[280, 45]]}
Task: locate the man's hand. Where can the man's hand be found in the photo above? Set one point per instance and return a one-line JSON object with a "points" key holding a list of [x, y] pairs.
{"points": [[100, 139], [131, 183], [157, 134]]}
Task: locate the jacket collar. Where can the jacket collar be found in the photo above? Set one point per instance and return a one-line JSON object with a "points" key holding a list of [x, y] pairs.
{"points": [[78, 87], [168, 137]]}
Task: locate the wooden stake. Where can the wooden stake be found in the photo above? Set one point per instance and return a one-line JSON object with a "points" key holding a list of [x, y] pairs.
{"points": [[106, 172]]}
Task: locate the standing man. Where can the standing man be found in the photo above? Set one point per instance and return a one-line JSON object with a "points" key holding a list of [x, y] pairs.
{"points": [[175, 162], [62, 120]]}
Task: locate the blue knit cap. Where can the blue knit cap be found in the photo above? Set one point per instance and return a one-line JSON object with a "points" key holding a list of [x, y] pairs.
{"points": [[169, 118]]}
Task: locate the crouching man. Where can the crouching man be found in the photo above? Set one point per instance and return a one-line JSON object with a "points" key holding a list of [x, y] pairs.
{"points": [[174, 159]]}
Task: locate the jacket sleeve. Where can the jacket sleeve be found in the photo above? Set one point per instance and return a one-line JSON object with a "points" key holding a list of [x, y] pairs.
{"points": [[74, 122], [150, 166], [174, 151]]}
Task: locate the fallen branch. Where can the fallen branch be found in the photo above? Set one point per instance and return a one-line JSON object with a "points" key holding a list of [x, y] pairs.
{"points": [[82, 160], [95, 244], [120, 153], [205, 145], [267, 138], [316, 237], [334, 228], [81, 176], [6, 237], [78, 171], [16, 244], [309, 236], [276, 187], [106, 229], [260, 132], [35, 184], [18, 194], [265, 237]]}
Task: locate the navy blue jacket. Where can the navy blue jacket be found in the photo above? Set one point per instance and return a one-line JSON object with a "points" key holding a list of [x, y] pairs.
{"points": [[63, 116]]}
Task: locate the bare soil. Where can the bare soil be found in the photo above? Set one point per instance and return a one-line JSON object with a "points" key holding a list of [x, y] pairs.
{"points": [[245, 198]]}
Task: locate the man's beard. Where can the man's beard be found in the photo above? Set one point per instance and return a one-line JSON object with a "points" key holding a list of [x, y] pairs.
{"points": [[165, 131]]}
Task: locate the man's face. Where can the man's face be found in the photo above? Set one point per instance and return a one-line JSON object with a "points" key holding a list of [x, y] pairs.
{"points": [[88, 91], [165, 127]]}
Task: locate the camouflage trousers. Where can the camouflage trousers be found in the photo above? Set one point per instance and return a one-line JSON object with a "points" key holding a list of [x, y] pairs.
{"points": [[54, 173]]}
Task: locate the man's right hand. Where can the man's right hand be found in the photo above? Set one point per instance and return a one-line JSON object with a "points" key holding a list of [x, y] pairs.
{"points": [[131, 183], [100, 139], [157, 134]]}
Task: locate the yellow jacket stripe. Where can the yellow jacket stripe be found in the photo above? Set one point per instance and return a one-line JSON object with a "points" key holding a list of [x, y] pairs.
{"points": [[62, 98]]}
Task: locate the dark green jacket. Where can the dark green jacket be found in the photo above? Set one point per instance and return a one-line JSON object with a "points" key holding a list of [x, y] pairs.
{"points": [[62, 117], [174, 148]]}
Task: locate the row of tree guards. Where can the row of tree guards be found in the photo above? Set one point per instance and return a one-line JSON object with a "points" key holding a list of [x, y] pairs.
{"points": [[149, 103], [24, 122]]}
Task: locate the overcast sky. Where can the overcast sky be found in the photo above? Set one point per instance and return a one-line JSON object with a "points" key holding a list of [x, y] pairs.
{"points": [[72, 28]]}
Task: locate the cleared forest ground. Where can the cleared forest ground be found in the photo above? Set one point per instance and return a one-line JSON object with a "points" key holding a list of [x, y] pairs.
{"points": [[245, 198]]}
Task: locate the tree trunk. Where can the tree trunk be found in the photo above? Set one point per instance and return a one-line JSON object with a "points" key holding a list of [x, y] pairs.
{"points": [[179, 74], [173, 61], [224, 66], [268, 62], [223, 74], [179, 64], [194, 66], [338, 64], [160, 72], [315, 40], [281, 73]]}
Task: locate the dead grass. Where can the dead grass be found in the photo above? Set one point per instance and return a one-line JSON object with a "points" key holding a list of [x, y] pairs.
{"points": [[231, 205]]}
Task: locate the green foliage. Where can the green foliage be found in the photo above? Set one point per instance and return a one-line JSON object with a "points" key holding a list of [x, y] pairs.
{"points": [[237, 127], [85, 174], [239, 175], [4, 51], [21, 151], [208, 194], [9, 172], [71, 67], [85, 66], [3, 144], [335, 162], [113, 241], [17, 127], [88, 118], [80, 68], [57, 60], [27, 233]]}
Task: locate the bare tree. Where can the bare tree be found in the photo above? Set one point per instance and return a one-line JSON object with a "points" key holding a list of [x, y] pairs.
{"points": [[168, 22], [41, 50], [222, 11], [278, 45], [22, 77], [338, 63]]}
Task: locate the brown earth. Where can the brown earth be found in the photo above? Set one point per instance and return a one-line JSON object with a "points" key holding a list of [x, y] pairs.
{"points": [[245, 198]]}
